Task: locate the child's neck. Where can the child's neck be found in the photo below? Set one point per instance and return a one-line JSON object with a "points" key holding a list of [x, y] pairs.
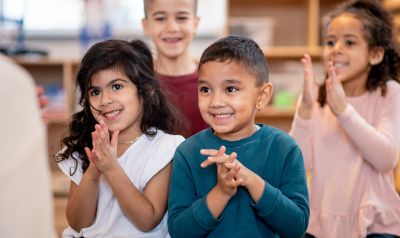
{"points": [[355, 88], [126, 136], [182, 65]]}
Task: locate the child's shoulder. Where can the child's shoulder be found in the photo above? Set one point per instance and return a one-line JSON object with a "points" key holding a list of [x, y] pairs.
{"points": [[194, 141], [278, 137], [393, 87], [162, 138]]}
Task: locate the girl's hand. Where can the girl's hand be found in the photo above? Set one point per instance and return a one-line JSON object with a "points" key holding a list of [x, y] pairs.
{"points": [[310, 89], [105, 152], [335, 95], [92, 169]]}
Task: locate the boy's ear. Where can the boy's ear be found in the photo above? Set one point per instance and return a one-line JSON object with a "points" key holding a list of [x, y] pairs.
{"points": [[265, 93], [196, 25], [145, 25], [376, 55]]}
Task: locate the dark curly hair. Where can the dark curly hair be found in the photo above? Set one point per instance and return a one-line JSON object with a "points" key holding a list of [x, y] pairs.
{"points": [[135, 60], [379, 31]]}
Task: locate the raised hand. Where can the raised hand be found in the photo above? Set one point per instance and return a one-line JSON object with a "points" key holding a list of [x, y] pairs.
{"points": [[335, 95], [42, 102], [104, 152], [92, 169], [310, 89]]}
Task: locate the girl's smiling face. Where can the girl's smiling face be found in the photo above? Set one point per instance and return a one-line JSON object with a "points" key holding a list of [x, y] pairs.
{"points": [[114, 99], [347, 48]]}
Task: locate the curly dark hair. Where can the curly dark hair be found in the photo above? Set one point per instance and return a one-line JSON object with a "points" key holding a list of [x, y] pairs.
{"points": [[379, 31], [135, 60]]}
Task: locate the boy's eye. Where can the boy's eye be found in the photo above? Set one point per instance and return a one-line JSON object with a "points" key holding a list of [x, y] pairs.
{"points": [[231, 89], [116, 87], [350, 43], [205, 90], [94, 93], [160, 18], [182, 18]]}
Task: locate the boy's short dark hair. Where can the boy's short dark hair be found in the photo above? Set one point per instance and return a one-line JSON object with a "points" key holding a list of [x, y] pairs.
{"points": [[146, 4], [242, 51]]}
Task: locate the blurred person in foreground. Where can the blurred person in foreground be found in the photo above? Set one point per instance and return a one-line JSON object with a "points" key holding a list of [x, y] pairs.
{"points": [[26, 203]]}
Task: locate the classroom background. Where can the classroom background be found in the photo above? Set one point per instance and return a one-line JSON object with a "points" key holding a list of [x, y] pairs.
{"points": [[49, 37]]}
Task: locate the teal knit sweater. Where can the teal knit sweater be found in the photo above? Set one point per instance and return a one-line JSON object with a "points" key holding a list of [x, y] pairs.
{"points": [[282, 210]]}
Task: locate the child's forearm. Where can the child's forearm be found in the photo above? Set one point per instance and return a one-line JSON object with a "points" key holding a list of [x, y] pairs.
{"points": [[255, 187], [136, 206], [216, 201], [81, 208]]}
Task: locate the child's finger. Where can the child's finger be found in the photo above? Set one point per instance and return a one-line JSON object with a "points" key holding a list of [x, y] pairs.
{"points": [[231, 157], [89, 154], [221, 151], [309, 62], [231, 174], [209, 152], [104, 140], [114, 140], [97, 141], [212, 160], [105, 129], [95, 156]]}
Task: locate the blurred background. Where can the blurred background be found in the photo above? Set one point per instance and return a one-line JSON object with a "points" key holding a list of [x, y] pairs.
{"points": [[49, 37]]}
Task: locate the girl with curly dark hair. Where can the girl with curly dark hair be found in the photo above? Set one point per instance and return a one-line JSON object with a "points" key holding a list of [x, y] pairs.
{"points": [[119, 151], [349, 132]]}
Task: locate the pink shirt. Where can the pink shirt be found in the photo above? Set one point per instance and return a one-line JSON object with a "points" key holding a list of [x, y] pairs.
{"points": [[352, 158]]}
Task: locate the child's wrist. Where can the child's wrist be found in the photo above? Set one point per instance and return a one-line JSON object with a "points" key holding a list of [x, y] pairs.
{"points": [[304, 112], [222, 194], [254, 181]]}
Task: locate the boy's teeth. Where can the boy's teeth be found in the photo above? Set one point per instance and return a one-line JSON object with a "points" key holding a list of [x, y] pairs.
{"points": [[223, 115], [111, 114], [171, 40]]}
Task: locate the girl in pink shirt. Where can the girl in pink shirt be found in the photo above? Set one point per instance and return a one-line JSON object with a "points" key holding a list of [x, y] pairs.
{"points": [[349, 128]]}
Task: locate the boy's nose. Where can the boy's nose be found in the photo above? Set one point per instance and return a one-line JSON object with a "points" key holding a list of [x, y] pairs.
{"points": [[172, 26], [217, 100]]}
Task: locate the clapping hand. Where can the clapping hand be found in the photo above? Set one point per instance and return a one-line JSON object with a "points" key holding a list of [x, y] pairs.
{"points": [[104, 153], [310, 89], [335, 95]]}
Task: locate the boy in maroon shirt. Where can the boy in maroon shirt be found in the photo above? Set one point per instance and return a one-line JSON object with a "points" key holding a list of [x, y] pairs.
{"points": [[172, 25]]}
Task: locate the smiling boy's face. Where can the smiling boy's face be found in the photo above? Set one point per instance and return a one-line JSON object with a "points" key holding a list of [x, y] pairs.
{"points": [[228, 99], [171, 25]]}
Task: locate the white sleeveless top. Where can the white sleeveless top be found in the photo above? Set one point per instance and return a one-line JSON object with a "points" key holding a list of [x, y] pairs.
{"points": [[141, 161]]}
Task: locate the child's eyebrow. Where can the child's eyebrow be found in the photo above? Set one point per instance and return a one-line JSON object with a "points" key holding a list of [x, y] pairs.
{"points": [[202, 82], [109, 83], [183, 12], [232, 81], [350, 35], [158, 13]]}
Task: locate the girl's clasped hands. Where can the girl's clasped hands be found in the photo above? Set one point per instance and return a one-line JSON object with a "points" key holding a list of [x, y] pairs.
{"points": [[103, 157]]}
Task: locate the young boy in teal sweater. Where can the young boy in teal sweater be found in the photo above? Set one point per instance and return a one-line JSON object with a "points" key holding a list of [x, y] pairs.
{"points": [[237, 178]]}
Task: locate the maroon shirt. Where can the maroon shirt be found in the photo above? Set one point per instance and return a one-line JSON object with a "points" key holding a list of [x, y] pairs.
{"points": [[182, 91]]}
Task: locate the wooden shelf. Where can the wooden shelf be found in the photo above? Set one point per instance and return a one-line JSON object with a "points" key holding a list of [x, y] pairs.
{"points": [[292, 51], [392, 4], [273, 111]]}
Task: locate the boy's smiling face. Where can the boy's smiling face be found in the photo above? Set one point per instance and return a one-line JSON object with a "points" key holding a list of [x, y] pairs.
{"points": [[228, 99], [171, 25]]}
